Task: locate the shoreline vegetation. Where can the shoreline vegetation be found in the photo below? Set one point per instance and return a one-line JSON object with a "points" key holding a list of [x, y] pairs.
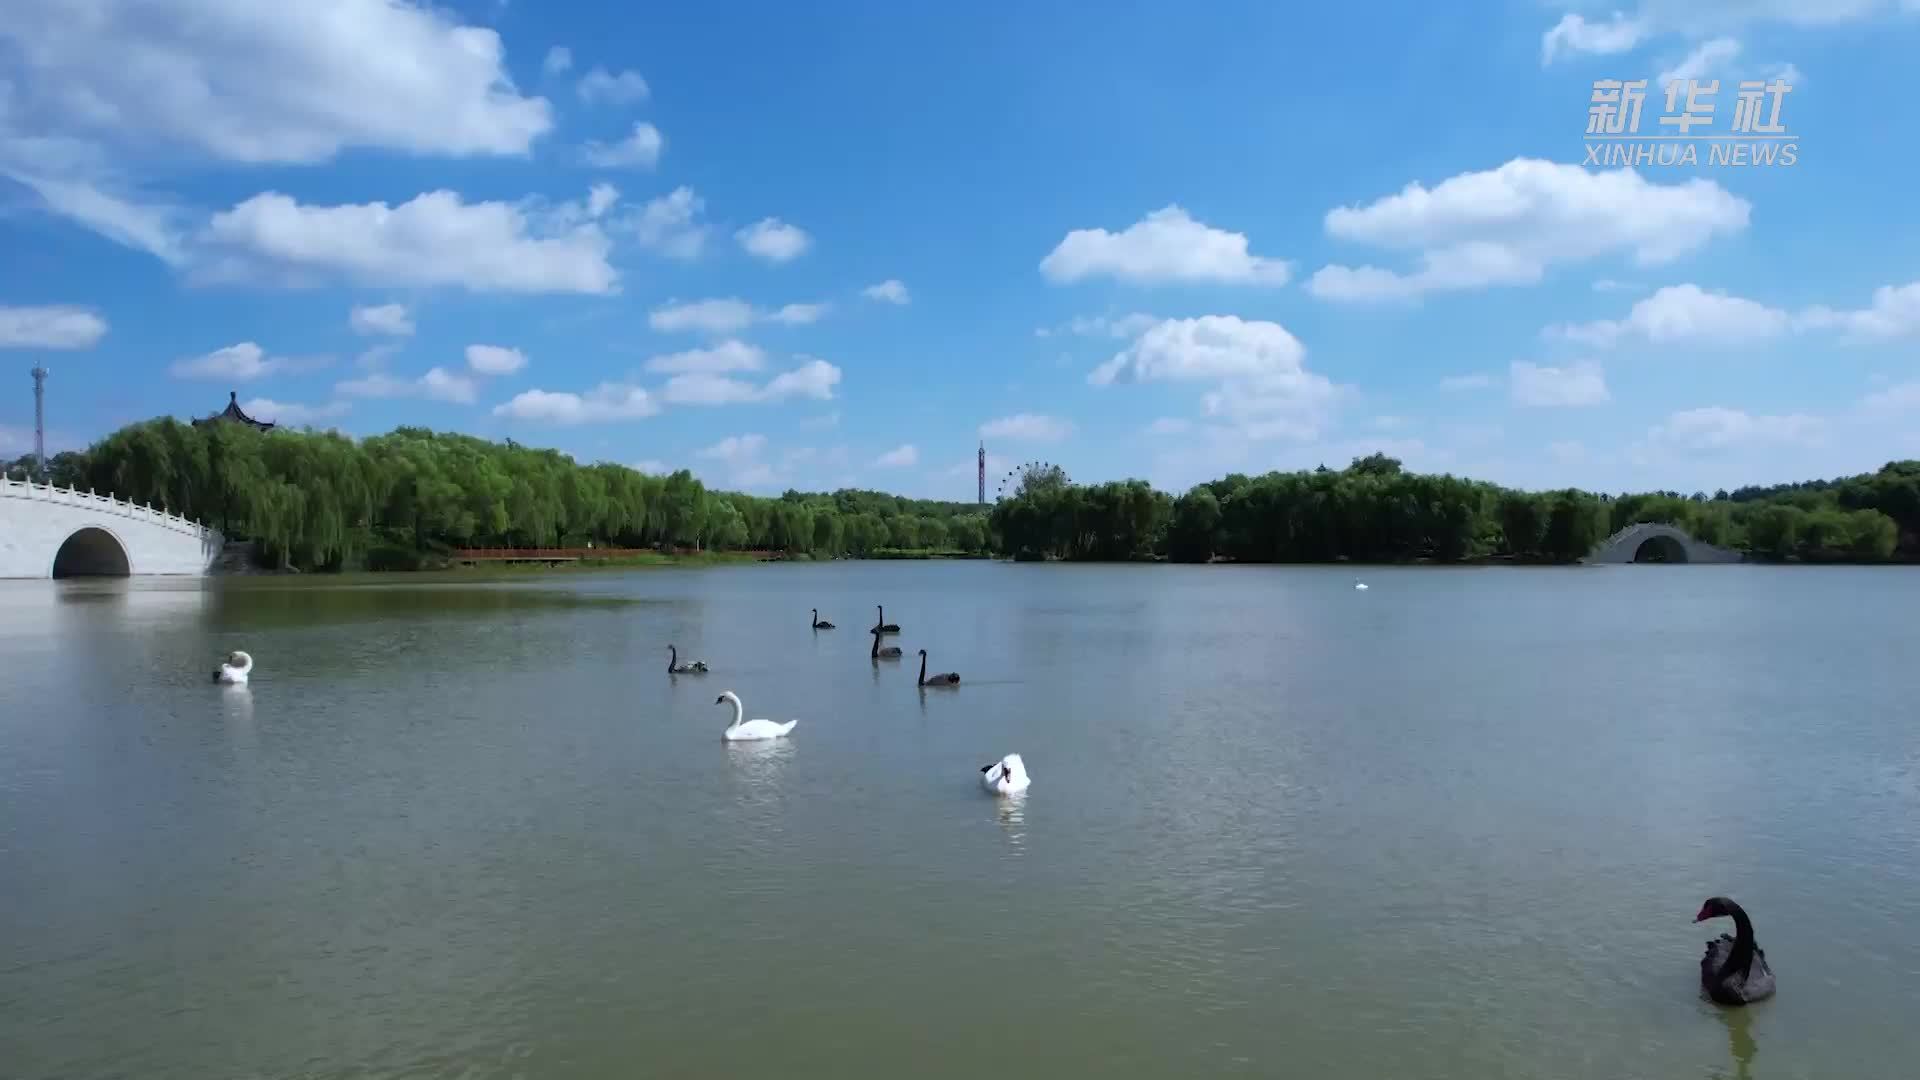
{"points": [[414, 498]]}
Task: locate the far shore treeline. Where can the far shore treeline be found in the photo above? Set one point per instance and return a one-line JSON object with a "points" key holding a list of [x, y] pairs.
{"points": [[324, 501]]}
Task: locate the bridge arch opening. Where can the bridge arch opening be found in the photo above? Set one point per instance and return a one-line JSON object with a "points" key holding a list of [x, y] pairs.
{"points": [[91, 552], [1660, 549]]}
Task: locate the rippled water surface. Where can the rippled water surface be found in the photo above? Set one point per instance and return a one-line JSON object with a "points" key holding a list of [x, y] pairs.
{"points": [[1453, 826]]}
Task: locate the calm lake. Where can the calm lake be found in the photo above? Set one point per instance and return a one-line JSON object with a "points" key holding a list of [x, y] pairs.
{"points": [[1456, 825]]}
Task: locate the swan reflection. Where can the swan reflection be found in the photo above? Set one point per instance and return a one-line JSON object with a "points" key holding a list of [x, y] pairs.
{"points": [[1740, 1044], [761, 761], [1011, 812], [236, 700], [236, 709]]}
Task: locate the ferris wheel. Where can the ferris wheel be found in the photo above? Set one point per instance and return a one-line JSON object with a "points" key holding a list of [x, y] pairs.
{"points": [[1016, 477]]}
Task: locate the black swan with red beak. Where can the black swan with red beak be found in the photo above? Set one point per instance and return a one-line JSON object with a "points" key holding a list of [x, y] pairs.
{"points": [[1734, 971]]}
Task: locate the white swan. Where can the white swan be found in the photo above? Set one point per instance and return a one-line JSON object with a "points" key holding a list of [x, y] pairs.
{"points": [[1361, 585], [234, 670], [741, 730], [1007, 776]]}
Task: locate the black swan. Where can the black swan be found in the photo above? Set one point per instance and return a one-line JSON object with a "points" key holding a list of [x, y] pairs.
{"points": [[819, 623], [675, 667], [945, 678], [1734, 971], [883, 626], [891, 652]]}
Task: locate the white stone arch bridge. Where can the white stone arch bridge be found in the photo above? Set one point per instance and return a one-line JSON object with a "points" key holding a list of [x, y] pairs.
{"points": [[1653, 541], [48, 532]]}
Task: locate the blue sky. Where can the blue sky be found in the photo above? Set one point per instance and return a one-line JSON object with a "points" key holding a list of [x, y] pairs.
{"points": [[836, 244]]}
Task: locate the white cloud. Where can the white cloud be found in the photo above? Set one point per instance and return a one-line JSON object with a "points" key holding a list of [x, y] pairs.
{"points": [[695, 386], [706, 388], [297, 85], [1573, 386], [601, 86], [1211, 346], [59, 326], [1705, 18], [1292, 406], [1894, 313], [1718, 428], [1475, 381], [669, 224], [892, 291], [239, 363], [1167, 245], [640, 150], [735, 449], [900, 457], [728, 315], [814, 379], [729, 355], [1265, 389], [606, 403], [1567, 452], [756, 475], [1898, 399], [1574, 34], [375, 358], [799, 314], [435, 239], [1683, 315], [495, 359], [1123, 326], [559, 60], [443, 385], [140, 226], [291, 414], [600, 199], [652, 467], [1707, 57], [438, 384], [721, 316], [1611, 285], [1169, 425], [821, 422], [1508, 225], [773, 240], [1027, 427], [391, 319]]}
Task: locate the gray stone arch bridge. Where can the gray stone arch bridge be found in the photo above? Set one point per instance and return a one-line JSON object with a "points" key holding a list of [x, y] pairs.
{"points": [[46, 532], [1654, 541]]}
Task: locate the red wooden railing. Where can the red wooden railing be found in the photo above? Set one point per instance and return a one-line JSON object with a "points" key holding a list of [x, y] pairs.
{"points": [[481, 554], [535, 554]]}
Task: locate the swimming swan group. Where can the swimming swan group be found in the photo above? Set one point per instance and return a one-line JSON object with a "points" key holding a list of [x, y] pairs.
{"points": [[1008, 776], [1733, 971]]}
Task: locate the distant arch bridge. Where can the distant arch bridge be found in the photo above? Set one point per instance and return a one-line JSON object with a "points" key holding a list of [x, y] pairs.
{"points": [[50, 532], [1657, 542]]}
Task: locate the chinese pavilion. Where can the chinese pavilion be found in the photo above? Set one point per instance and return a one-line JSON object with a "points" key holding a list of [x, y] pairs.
{"points": [[233, 414]]}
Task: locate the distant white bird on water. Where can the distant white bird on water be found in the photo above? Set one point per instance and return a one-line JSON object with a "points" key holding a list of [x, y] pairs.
{"points": [[745, 730], [235, 670], [1360, 585], [1008, 776]]}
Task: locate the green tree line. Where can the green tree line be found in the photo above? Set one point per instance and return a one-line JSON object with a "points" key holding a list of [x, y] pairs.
{"points": [[317, 500], [1375, 511], [323, 501]]}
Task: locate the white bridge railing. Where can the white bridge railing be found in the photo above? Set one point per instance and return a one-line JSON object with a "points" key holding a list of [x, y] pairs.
{"points": [[105, 504]]}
